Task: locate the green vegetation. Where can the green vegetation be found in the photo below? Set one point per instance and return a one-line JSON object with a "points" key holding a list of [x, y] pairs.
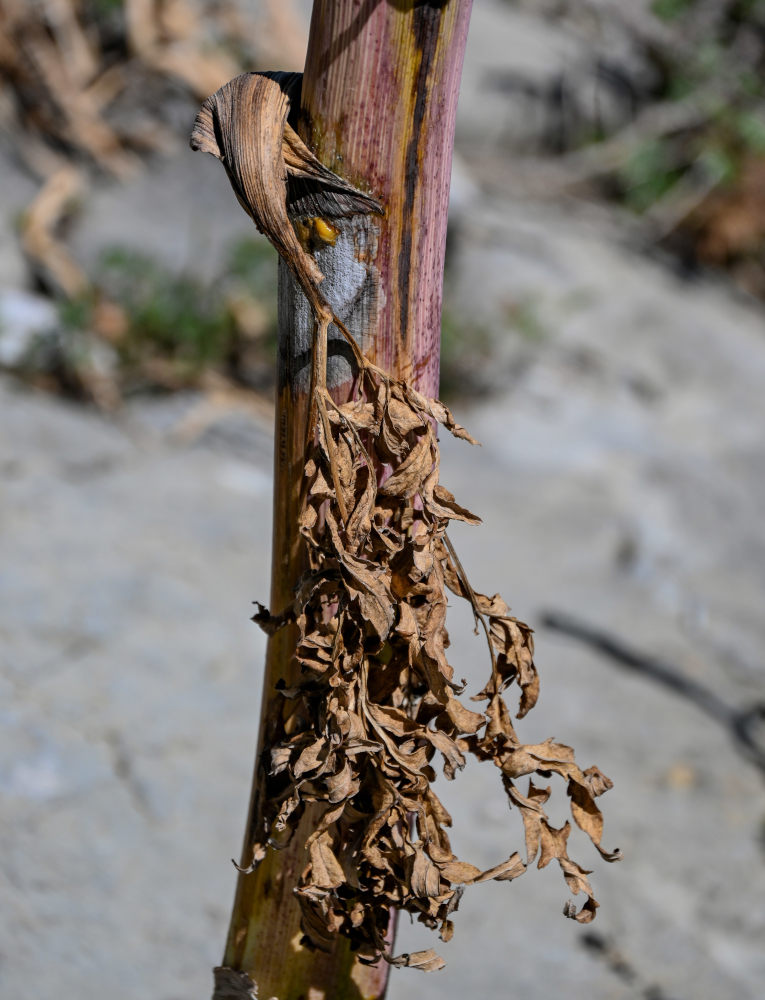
{"points": [[466, 348], [168, 329], [168, 315], [717, 67], [669, 10]]}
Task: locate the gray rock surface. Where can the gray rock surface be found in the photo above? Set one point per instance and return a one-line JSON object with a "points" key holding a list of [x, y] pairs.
{"points": [[621, 479], [127, 660], [24, 320]]}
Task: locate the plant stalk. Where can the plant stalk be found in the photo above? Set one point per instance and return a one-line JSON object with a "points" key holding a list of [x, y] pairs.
{"points": [[378, 108]]}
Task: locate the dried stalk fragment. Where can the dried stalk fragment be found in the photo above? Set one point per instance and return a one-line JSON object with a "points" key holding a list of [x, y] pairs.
{"points": [[377, 702]]}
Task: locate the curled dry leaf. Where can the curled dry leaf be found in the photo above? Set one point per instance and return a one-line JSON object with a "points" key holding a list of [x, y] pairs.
{"points": [[377, 703], [244, 125], [426, 961]]}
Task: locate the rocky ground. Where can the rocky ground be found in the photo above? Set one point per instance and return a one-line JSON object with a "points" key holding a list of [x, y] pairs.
{"points": [[621, 480]]}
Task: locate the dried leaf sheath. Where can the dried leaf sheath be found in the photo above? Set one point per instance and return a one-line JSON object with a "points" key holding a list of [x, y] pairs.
{"points": [[376, 704], [244, 125]]}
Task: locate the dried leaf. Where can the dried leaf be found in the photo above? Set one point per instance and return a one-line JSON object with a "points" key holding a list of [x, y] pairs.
{"points": [[425, 961], [408, 477], [343, 785], [506, 871], [326, 872], [425, 878], [374, 703], [244, 125], [310, 758], [460, 872]]}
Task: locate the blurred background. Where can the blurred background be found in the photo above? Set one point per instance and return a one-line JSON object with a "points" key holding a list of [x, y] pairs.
{"points": [[603, 336]]}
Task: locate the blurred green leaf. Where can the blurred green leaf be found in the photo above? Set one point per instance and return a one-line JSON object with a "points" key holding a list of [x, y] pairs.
{"points": [[465, 348], [751, 129], [719, 166], [172, 313], [75, 314], [648, 174], [669, 10]]}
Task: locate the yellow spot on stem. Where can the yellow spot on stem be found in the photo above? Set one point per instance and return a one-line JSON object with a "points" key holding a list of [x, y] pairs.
{"points": [[324, 231], [315, 232]]}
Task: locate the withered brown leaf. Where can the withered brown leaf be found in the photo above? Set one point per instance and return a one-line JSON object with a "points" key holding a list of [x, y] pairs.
{"points": [[376, 704], [381, 657]]}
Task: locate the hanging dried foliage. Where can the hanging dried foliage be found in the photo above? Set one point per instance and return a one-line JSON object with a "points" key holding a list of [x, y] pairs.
{"points": [[376, 704]]}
